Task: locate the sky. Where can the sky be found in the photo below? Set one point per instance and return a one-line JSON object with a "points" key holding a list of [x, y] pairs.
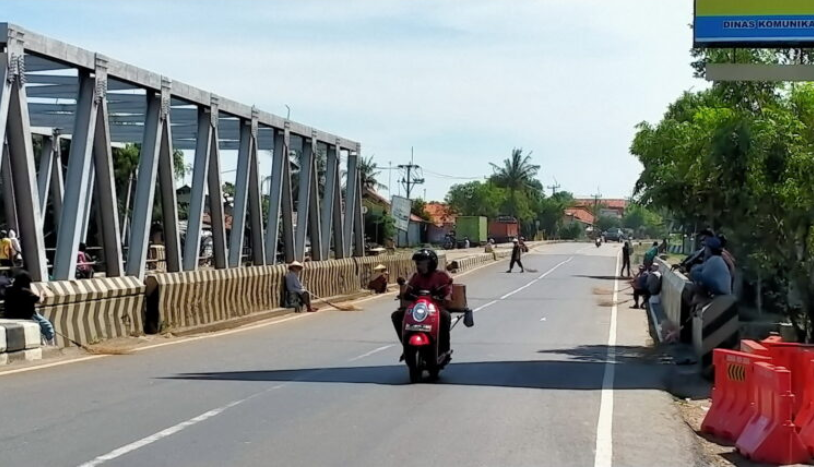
{"points": [[461, 82]]}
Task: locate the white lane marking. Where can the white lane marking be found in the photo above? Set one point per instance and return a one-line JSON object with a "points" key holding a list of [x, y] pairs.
{"points": [[541, 277], [116, 453], [542, 319], [604, 426], [367, 354]]}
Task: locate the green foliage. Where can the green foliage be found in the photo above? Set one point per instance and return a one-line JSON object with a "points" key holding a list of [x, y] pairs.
{"points": [[379, 227], [370, 172], [517, 176], [476, 199], [644, 222], [604, 223], [739, 157], [419, 209], [572, 231]]}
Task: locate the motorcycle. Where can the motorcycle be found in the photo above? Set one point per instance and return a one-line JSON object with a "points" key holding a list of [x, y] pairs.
{"points": [[598, 242], [421, 332]]}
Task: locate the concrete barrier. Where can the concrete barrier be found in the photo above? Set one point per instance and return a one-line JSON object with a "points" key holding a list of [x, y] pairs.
{"points": [[716, 325], [19, 341], [676, 309], [92, 310]]}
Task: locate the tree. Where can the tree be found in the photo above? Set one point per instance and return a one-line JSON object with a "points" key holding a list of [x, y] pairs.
{"points": [[552, 210], [572, 231], [419, 209], [517, 176], [369, 171], [604, 223], [476, 199]]}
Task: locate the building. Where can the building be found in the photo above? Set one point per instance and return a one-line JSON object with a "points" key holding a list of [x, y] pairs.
{"points": [[440, 214], [612, 207], [578, 214]]}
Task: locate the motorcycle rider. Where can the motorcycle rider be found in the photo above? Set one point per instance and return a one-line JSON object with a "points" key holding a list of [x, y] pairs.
{"points": [[439, 283]]}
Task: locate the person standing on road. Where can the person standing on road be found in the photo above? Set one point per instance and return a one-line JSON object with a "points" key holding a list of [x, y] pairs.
{"points": [[6, 250], [625, 259], [21, 301], [295, 287], [517, 252]]}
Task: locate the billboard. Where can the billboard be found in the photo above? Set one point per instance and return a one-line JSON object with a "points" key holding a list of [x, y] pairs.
{"points": [[401, 212], [754, 23]]}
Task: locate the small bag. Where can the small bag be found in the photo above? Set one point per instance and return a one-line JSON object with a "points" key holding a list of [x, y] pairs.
{"points": [[469, 318]]}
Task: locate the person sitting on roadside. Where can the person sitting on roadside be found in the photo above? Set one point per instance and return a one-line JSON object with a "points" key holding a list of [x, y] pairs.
{"points": [[294, 286], [84, 265], [650, 256], [380, 280], [713, 275], [21, 301], [490, 246], [639, 285], [699, 255], [5, 283], [6, 250], [654, 285]]}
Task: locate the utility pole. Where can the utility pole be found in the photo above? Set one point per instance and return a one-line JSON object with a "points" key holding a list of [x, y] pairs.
{"points": [[596, 198], [554, 187], [410, 181]]}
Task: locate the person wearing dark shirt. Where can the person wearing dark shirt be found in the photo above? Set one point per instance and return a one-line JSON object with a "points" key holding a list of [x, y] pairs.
{"points": [[625, 259], [379, 283], [21, 303], [517, 252]]}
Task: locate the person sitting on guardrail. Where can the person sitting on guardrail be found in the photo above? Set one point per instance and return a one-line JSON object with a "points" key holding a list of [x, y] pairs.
{"points": [[294, 286], [84, 265], [654, 285], [6, 250], [699, 255], [639, 285], [379, 282], [5, 283], [713, 274], [651, 254], [21, 301], [16, 249]]}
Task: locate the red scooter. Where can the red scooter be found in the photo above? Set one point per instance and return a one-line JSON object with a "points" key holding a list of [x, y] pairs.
{"points": [[420, 333]]}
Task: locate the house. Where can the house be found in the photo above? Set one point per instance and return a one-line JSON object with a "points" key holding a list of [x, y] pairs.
{"points": [[578, 214], [440, 214], [612, 207]]}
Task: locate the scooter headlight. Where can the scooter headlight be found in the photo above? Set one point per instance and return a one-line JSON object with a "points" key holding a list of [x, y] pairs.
{"points": [[420, 312]]}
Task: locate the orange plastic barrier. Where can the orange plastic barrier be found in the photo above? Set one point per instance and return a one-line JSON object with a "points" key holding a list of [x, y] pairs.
{"points": [[755, 348], [795, 358], [733, 393], [770, 435], [805, 418], [772, 340]]}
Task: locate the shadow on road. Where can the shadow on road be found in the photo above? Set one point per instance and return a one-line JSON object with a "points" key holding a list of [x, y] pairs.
{"points": [[584, 370], [602, 278]]}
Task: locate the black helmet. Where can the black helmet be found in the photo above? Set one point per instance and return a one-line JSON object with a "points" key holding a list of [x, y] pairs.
{"points": [[425, 254]]}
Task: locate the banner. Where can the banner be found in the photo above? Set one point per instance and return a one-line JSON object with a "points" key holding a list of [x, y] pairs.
{"points": [[754, 23], [401, 212]]}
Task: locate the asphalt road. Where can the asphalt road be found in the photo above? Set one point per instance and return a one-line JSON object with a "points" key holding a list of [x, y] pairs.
{"points": [[533, 383]]}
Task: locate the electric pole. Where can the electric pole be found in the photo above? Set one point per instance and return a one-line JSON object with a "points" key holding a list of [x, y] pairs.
{"points": [[410, 181], [596, 198], [554, 187]]}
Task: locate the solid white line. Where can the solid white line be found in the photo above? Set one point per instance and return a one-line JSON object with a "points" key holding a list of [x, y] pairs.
{"points": [[541, 277], [116, 453], [542, 319], [367, 354], [604, 426]]}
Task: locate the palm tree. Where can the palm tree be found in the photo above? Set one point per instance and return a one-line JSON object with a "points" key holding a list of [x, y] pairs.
{"points": [[369, 170], [516, 174]]}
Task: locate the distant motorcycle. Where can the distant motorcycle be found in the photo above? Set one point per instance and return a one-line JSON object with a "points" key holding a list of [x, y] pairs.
{"points": [[598, 242]]}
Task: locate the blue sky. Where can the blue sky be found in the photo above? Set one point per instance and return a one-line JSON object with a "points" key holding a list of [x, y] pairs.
{"points": [[462, 81]]}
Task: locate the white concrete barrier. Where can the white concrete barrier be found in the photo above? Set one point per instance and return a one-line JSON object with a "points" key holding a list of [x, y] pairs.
{"points": [[19, 340]]}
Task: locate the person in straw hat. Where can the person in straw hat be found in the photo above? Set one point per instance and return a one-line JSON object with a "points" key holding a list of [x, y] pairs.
{"points": [[380, 280], [294, 286]]}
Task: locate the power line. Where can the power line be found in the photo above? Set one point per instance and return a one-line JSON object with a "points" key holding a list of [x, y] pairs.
{"points": [[410, 181], [450, 177]]}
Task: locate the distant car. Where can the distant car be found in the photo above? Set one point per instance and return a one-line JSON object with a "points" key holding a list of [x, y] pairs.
{"points": [[614, 235]]}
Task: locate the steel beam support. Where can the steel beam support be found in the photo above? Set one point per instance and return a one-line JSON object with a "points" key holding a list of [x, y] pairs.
{"points": [[57, 186], [142, 216], [280, 205], [314, 228], [216, 194], [79, 169], [166, 178], [244, 161], [88, 203], [21, 156], [351, 192], [303, 200], [200, 174], [331, 168], [107, 206], [9, 205], [358, 222], [339, 233], [255, 202], [48, 157]]}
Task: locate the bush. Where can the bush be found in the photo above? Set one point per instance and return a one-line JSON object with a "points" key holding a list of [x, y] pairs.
{"points": [[572, 231]]}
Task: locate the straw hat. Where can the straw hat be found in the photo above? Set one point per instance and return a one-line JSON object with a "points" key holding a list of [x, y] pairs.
{"points": [[295, 264], [380, 267]]}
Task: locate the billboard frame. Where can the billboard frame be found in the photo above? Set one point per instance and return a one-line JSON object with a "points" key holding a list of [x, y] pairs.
{"points": [[747, 43]]}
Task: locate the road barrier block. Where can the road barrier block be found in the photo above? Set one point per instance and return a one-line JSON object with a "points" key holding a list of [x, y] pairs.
{"points": [[770, 436], [795, 358], [754, 348], [733, 394], [805, 417]]}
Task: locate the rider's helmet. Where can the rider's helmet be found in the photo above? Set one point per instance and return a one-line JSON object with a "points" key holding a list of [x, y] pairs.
{"points": [[426, 261]]}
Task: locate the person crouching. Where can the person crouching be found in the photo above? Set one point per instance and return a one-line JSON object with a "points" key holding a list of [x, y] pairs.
{"points": [[294, 286]]}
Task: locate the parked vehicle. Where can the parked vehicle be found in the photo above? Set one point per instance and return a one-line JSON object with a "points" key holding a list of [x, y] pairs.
{"points": [[474, 227], [504, 229], [615, 235]]}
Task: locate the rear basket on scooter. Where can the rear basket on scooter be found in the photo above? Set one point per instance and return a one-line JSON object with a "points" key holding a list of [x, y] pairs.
{"points": [[458, 301]]}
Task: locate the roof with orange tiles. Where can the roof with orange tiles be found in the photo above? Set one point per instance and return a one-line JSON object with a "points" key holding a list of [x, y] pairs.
{"points": [[440, 213], [580, 214], [609, 203]]}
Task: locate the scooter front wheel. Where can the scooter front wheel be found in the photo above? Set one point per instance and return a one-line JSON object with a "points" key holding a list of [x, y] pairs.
{"points": [[413, 358]]}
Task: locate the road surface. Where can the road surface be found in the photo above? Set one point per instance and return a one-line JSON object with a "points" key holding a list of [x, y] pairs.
{"points": [[534, 383]]}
